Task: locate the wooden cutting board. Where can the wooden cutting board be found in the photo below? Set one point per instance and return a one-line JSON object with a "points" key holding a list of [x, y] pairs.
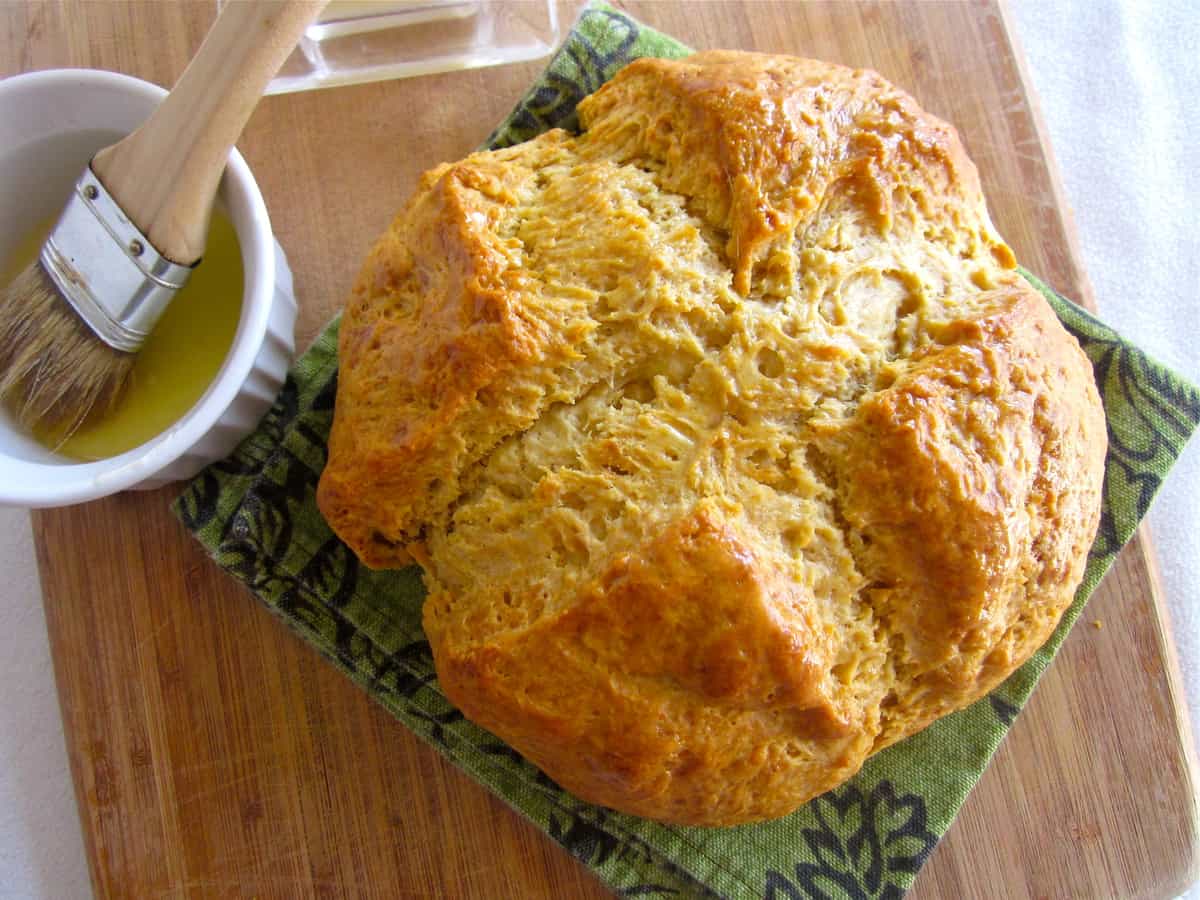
{"points": [[214, 754]]}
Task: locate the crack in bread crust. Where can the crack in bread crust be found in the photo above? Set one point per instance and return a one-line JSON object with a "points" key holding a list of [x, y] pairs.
{"points": [[731, 445]]}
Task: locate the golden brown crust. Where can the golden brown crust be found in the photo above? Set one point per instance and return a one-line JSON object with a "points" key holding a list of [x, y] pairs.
{"points": [[971, 485], [692, 661], [731, 446], [430, 324], [758, 141]]}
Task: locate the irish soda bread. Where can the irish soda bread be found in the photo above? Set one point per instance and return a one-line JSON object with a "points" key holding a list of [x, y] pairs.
{"points": [[731, 445]]}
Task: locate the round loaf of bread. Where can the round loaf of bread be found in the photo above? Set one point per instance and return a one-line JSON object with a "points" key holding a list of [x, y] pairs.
{"points": [[731, 444]]}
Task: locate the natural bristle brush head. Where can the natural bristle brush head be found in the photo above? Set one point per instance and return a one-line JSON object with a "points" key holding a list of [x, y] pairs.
{"points": [[55, 373], [72, 322]]}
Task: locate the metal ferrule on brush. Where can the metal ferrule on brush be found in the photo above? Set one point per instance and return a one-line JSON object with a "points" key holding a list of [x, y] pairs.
{"points": [[106, 268]]}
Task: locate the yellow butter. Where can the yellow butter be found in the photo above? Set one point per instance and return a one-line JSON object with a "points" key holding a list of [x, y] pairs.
{"points": [[180, 358]]}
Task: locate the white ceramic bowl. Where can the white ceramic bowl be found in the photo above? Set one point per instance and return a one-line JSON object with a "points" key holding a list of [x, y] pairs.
{"points": [[53, 122]]}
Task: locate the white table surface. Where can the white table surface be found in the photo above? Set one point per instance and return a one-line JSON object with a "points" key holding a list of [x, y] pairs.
{"points": [[1119, 83]]}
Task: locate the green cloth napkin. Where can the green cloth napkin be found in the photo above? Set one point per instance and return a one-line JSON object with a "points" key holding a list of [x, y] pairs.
{"points": [[256, 514]]}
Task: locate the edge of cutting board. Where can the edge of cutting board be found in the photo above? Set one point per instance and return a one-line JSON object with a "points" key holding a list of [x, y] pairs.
{"points": [[1142, 541]]}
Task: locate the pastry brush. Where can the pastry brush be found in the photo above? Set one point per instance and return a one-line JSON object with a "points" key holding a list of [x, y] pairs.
{"points": [[135, 225]]}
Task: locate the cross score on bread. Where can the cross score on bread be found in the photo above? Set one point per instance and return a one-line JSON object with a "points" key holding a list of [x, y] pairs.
{"points": [[731, 444]]}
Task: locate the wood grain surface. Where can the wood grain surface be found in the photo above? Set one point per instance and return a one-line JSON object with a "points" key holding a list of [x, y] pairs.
{"points": [[214, 754]]}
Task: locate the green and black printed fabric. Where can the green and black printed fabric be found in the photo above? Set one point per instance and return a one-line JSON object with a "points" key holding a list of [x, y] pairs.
{"points": [[256, 513]]}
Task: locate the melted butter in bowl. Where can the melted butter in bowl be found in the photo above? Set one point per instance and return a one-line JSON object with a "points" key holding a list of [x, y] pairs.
{"points": [[179, 360]]}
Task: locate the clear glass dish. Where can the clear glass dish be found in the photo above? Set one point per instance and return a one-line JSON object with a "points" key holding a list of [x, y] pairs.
{"points": [[356, 41]]}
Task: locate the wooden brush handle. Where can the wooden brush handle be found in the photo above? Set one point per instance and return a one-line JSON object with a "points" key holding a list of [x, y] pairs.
{"points": [[165, 174]]}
